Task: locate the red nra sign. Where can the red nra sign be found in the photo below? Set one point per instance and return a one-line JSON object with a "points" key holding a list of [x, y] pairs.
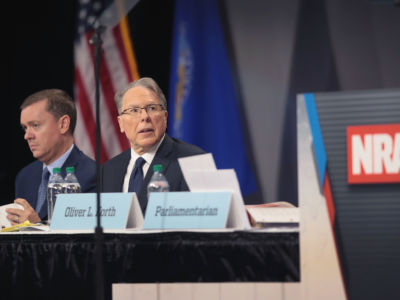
{"points": [[373, 153]]}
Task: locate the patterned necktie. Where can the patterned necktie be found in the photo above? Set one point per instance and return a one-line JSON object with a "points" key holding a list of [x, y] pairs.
{"points": [[41, 201], [136, 179]]}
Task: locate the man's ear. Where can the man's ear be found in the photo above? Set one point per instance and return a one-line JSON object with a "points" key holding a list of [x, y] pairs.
{"points": [[64, 123]]}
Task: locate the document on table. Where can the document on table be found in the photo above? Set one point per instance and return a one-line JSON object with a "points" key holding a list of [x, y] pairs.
{"points": [[274, 214], [201, 175]]}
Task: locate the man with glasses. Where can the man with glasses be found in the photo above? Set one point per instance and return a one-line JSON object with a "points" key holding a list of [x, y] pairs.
{"points": [[48, 119], [142, 109]]}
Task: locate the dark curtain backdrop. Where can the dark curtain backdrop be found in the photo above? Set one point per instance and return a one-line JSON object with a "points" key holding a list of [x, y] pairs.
{"points": [[37, 41]]}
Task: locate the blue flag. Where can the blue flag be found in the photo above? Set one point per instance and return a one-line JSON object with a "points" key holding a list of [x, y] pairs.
{"points": [[203, 105]]}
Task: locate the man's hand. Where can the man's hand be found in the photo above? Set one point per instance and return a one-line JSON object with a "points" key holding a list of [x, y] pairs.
{"points": [[17, 216]]}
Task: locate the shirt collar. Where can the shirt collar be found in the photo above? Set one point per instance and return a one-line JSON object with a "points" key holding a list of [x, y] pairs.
{"points": [[59, 162], [149, 155]]}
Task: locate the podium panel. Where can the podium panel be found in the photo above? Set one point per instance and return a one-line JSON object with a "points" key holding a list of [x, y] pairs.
{"points": [[365, 216]]}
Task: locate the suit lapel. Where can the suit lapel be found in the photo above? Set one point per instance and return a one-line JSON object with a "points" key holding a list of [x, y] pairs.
{"points": [[120, 170]]}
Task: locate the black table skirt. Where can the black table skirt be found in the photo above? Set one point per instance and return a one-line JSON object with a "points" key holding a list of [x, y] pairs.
{"points": [[63, 266]]}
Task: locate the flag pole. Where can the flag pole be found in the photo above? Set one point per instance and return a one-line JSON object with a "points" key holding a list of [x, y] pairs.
{"points": [[110, 17], [96, 41]]}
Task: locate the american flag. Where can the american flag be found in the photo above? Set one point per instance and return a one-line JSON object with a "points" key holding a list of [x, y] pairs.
{"points": [[117, 68]]}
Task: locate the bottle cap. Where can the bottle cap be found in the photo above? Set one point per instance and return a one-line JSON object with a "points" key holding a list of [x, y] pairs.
{"points": [[70, 169], [157, 168], [56, 170]]}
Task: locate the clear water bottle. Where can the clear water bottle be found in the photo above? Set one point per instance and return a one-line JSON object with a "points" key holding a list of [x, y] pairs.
{"points": [[54, 187], [158, 182], [71, 183]]}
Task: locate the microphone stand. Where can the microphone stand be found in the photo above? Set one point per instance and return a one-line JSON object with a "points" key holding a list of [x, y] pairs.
{"points": [[96, 41]]}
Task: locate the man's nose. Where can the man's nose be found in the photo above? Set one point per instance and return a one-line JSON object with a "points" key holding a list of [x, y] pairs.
{"points": [[28, 134], [145, 115]]}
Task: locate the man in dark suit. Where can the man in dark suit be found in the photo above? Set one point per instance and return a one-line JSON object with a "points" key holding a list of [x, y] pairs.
{"points": [[48, 118], [142, 117]]}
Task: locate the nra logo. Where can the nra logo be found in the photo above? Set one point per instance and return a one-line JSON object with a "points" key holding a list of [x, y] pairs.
{"points": [[373, 153]]}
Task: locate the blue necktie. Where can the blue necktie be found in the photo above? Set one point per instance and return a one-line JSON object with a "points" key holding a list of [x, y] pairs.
{"points": [[136, 179], [42, 201]]}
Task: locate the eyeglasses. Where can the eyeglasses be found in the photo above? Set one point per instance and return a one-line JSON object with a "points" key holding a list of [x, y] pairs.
{"points": [[136, 111]]}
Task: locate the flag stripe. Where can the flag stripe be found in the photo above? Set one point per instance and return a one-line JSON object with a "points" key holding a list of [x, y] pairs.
{"points": [[81, 133], [84, 93], [84, 59], [108, 109], [120, 45], [107, 87], [88, 119], [117, 68], [117, 78]]}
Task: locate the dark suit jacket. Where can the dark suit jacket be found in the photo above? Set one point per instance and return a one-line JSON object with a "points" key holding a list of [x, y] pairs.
{"points": [[28, 179], [113, 171]]}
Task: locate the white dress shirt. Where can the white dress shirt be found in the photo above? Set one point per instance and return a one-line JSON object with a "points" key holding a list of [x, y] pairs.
{"points": [[148, 157]]}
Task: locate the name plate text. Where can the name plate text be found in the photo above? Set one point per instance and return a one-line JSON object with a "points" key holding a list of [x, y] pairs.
{"points": [[191, 210], [79, 211]]}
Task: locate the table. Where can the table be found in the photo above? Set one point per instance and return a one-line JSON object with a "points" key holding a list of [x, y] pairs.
{"points": [[62, 266]]}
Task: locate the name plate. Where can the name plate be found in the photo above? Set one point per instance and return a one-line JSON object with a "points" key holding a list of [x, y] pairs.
{"points": [[78, 211], [187, 210]]}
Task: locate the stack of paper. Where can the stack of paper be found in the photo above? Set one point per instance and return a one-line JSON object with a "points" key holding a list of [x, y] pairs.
{"points": [[264, 216]]}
